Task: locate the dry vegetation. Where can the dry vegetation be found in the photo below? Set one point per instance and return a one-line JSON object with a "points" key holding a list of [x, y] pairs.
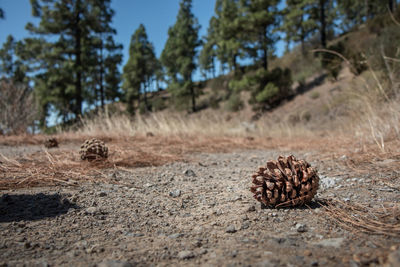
{"points": [[361, 121]]}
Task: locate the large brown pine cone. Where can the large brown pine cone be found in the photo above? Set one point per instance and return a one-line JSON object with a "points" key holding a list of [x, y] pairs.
{"points": [[285, 182], [93, 149]]}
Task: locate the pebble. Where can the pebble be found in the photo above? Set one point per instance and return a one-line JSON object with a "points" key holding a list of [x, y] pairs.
{"points": [[176, 235], [175, 193], [230, 229], [186, 254], [189, 173], [301, 228], [251, 208], [245, 225], [331, 242], [102, 194], [202, 251], [91, 210], [307, 253]]}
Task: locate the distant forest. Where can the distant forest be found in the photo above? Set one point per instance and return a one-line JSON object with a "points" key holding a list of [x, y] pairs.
{"points": [[72, 64]]}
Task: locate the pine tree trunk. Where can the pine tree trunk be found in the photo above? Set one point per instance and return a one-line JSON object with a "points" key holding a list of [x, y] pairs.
{"points": [[78, 63], [193, 97], [213, 68], [192, 93], [265, 50], [323, 22], [302, 37], [234, 63], [101, 76], [391, 5], [145, 96]]}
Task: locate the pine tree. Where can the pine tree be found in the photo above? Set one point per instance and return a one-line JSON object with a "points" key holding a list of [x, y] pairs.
{"points": [[226, 29], [356, 12], [1, 13], [77, 54], [107, 54], [298, 25], [260, 19], [208, 52], [140, 69], [11, 65], [179, 53]]}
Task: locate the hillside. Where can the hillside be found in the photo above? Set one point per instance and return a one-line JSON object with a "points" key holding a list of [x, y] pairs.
{"points": [[154, 183]]}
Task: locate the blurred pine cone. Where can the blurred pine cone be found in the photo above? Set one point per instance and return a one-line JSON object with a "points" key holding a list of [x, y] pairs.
{"points": [[51, 143], [285, 182], [93, 149]]}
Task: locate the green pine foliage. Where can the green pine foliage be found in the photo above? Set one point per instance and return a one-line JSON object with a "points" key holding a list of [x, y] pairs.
{"points": [[140, 70], [260, 21], [227, 32], [11, 64], [76, 60], [298, 24], [179, 54]]}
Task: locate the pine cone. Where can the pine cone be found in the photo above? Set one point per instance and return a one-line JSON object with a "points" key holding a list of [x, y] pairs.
{"points": [[93, 149], [51, 142], [285, 182]]}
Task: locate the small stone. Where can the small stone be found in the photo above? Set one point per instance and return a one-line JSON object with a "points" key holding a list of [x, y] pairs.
{"points": [[189, 173], [307, 253], [186, 254], [314, 263], [217, 212], [230, 229], [301, 228], [91, 210], [331, 242], [176, 235], [102, 194], [234, 253], [251, 208], [114, 263], [175, 193], [27, 245], [202, 251], [245, 225]]}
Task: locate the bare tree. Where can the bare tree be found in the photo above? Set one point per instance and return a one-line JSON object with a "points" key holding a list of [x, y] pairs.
{"points": [[17, 107]]}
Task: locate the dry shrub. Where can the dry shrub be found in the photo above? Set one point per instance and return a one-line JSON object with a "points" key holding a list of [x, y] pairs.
{"points": [[17, 107]]}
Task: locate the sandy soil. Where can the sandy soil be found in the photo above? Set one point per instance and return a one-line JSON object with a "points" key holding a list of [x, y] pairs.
{"points": [[196, 212]]}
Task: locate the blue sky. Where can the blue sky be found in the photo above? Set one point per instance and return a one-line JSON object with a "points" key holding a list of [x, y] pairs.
{"points": [[156, 15]]}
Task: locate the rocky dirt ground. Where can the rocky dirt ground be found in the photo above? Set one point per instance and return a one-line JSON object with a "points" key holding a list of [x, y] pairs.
{"points": [[196, 212]]}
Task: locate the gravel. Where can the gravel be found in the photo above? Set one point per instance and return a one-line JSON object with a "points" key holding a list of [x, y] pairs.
{"points": [[157, 216]]}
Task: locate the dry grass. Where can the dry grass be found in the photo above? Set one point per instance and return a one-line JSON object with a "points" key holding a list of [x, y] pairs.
{"points": [[369, 133]]}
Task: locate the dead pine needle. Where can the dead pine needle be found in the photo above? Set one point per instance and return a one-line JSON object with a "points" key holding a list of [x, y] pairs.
{"points": [[357, 218]]}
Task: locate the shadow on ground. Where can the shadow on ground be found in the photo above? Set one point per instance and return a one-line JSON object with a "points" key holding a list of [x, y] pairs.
{"points": [[24, 207], [314, 204]]}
